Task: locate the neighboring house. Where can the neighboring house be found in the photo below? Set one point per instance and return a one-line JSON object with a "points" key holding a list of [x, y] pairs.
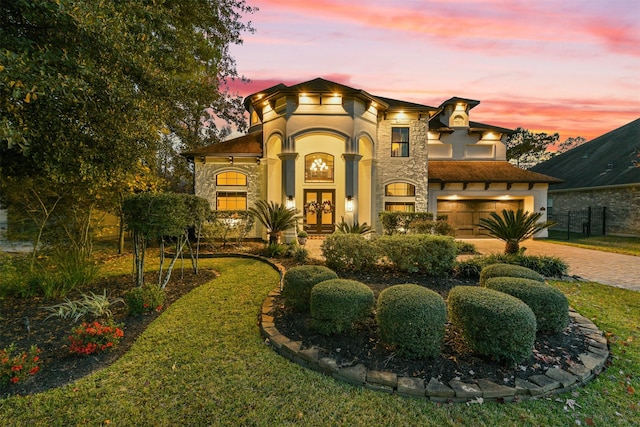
{"points": [[604, 172], [332, 151]]}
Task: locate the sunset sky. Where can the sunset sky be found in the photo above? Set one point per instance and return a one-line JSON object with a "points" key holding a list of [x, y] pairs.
{"points": [[566, 66]]}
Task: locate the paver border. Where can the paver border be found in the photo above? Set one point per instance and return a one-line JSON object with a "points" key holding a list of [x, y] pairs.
{"points": [[554, 381]]}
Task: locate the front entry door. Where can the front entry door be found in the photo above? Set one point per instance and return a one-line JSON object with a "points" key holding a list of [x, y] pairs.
{"points": [[319, 211]]}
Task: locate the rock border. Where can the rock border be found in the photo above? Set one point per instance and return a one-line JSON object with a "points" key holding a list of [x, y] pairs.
{"points": [[554, 381]]}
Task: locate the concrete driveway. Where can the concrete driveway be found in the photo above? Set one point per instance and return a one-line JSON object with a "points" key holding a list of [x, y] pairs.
{"points": [[607, 268]]}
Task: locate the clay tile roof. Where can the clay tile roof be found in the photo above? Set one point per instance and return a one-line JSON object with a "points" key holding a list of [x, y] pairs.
{"points": [[483, 171], [249, 145]]}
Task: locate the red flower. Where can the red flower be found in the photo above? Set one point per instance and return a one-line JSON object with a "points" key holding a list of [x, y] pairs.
{"points": [[14, 380], [16, 368], [34, 370]]}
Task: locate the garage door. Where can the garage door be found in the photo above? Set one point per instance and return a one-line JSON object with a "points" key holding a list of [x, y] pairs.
{"points": [[463, 215]]}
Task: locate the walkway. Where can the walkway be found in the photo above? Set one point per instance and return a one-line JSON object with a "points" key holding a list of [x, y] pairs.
{"points": [[611, 269]]}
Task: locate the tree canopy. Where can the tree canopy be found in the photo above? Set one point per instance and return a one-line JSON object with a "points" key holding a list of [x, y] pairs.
{"points": [[525, 148], [90, 87]]}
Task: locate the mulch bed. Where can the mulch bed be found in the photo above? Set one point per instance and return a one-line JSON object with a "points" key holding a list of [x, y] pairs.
{"points": [[60, 367], [456, 362]]}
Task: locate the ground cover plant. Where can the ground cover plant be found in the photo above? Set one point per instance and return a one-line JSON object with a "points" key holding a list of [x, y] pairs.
{"points": [[202, 361]]}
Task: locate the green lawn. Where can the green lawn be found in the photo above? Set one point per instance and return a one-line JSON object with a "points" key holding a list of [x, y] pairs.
{"points": [[202, 362], [620, 245]]}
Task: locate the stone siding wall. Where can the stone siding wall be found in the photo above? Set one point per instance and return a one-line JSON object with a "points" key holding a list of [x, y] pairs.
{"points": [[622, 203], [205, 176], [408, 169]]}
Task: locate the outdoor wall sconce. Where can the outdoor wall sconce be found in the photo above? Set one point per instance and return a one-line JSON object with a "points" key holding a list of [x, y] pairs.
{"points": [[231, 160], [349, 204], [291, 203], [202, 159], [543, 209], [257, 160]]}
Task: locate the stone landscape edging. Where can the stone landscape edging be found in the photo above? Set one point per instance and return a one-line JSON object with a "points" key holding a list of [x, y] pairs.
{"points": [[553, 381]]}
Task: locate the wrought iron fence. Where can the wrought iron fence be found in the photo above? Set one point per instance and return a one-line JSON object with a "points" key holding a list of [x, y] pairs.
{"points": [[591, 221]]}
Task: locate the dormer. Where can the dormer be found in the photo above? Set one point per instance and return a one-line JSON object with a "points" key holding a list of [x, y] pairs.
{"points": [[455, 112]]}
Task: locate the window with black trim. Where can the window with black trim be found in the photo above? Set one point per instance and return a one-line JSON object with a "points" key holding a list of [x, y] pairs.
{"points": [[400, 189], [231, 200], [400, 142], [318, 167], [231, 191], [400, 206], [400, 197]]}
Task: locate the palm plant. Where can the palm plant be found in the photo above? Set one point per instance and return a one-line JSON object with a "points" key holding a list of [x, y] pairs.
{"points": [[275, 217], [355, 228], [513, 227]]}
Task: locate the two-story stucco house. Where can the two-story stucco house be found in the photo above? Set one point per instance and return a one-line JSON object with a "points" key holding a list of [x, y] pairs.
{"points": [[332, 151]]}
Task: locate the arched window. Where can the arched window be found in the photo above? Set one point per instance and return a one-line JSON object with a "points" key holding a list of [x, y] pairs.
{"points": [[400, 189], [400, 196], [231, 178], [318, 167], [231, 191]]}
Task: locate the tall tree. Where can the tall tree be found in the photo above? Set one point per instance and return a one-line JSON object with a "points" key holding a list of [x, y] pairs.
{"points": [[526, 149], [89, 87], [570, 144]]}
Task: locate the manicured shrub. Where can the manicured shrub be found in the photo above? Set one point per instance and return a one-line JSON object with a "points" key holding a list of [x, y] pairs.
{"points": [[466, 248], [547, 266], [298, 281], [348, 252], [493, 323], [145, 299], [336, 304], [419, 252], [412, 318], [508, 270], [400, 222], [548, 304]]}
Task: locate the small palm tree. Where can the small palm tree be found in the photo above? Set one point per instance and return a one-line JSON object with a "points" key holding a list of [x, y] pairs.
{"points": [[513, 227], [355, 228], [275, 217]]}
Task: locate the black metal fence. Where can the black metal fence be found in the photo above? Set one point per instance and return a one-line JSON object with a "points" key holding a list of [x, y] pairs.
{"points": [[591, 221]]}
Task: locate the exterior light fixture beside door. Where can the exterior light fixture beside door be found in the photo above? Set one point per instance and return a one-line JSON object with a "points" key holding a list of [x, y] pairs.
{"points": [[349, 204], [291, 203]]}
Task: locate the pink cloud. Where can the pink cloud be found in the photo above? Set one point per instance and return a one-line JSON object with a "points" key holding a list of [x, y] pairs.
{"points": [[493, 27]]}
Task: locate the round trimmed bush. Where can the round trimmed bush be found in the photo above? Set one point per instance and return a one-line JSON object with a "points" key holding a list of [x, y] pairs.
{"points": [[412, 318], [298, 281], [493, 323], [336, 304], [508, 270], [548, 304]]}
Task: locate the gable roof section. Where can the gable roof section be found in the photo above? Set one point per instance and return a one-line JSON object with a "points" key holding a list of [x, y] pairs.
{"points": [[610, 159], [249, 145], [443, 171]]}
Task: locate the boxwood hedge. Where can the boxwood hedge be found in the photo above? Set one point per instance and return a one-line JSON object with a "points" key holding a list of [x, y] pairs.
{"points": [[508, 270], [336, 304], [298, 281], [548, 304], [412, 318], [432, 254], [493, 323]]}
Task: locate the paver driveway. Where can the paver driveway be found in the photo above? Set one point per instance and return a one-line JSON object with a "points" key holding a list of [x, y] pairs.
{"points": [[607, 268]]}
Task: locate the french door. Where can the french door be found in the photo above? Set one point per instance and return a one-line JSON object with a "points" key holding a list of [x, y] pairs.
{"points": [[319, 211]]}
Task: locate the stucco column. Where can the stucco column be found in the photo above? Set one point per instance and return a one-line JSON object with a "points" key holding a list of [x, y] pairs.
{"points": [[288, 161], [351, 180]]}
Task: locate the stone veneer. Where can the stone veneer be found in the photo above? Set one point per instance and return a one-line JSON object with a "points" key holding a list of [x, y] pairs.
{"points": [[402, 169], [554, 381], [205, 179], [623, 206]]}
